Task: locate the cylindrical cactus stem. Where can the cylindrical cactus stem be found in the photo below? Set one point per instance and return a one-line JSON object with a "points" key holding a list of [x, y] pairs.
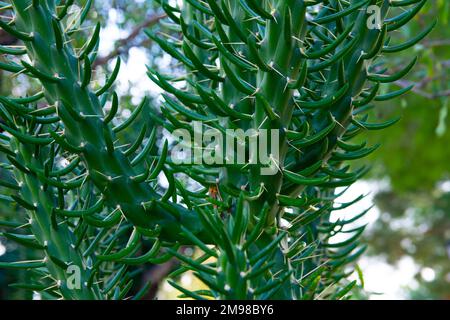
{"points": [[65, 263], [85, 129], [299, 67]]}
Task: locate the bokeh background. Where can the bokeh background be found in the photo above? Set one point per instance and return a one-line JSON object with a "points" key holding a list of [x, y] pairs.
{"points": [[407, 191]]}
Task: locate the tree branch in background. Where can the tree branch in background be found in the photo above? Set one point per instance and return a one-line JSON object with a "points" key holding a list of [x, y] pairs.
{"points": [[126, 43], [156, 276], [6, 39], [436, 43], [425, 94], [420, 86]]}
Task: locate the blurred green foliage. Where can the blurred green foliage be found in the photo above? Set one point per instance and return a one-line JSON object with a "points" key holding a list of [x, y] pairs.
{"points": [[417, 227], [415, 157], [414, 153]]}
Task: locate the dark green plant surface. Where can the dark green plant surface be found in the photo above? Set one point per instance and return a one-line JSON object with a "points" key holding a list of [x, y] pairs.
{"points": [[304, 68]]}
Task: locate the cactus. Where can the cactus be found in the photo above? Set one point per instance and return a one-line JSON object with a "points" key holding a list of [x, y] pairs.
{"points": [[304, 69]]}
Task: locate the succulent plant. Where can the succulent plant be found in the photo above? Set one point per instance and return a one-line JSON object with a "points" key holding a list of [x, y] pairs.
{"points": [[303, 68]]}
